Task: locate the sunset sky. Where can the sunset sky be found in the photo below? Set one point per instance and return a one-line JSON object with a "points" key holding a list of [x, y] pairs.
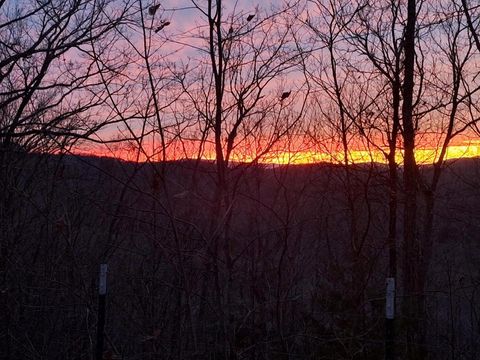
{"points": [[305, 128]]}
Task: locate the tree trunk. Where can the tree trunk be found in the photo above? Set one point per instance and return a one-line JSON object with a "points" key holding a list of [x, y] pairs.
{"points": [[410, 243]]}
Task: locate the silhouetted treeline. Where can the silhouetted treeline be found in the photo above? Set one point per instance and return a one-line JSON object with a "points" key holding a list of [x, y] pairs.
{"points": [[301, 286]]}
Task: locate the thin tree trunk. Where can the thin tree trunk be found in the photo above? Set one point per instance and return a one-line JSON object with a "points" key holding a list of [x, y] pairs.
{"points": [[392, 218], [410, 245]]}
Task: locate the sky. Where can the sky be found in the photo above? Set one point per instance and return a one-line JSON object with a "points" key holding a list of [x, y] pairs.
{"points": [[181, 76]]}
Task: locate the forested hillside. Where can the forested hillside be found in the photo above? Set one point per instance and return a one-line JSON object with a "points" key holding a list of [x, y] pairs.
{"points": [[298, 283]]}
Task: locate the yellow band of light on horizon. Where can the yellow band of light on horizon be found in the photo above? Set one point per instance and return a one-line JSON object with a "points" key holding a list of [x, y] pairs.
{"points": [[422, 156]]}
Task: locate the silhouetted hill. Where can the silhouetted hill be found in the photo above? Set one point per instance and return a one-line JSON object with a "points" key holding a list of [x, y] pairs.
{"points": [[294, 255]]}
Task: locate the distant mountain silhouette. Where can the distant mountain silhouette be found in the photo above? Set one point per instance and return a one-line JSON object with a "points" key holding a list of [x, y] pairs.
{"points": [[283, 258]]}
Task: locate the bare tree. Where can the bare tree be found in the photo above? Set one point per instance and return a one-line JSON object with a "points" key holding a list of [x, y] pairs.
{"points": [[242, 54], [50, 97]]}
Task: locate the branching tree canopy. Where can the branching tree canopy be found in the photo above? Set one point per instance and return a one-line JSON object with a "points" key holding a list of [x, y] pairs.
{"points": [[50, 89], [227, 253]]}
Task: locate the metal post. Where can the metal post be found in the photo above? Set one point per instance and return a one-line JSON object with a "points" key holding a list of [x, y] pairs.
{"points": [[390, 319], [102, 294]]}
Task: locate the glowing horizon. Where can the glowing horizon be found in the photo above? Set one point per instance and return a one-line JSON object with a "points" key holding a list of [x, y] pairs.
{"points": [[424, 156]]}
